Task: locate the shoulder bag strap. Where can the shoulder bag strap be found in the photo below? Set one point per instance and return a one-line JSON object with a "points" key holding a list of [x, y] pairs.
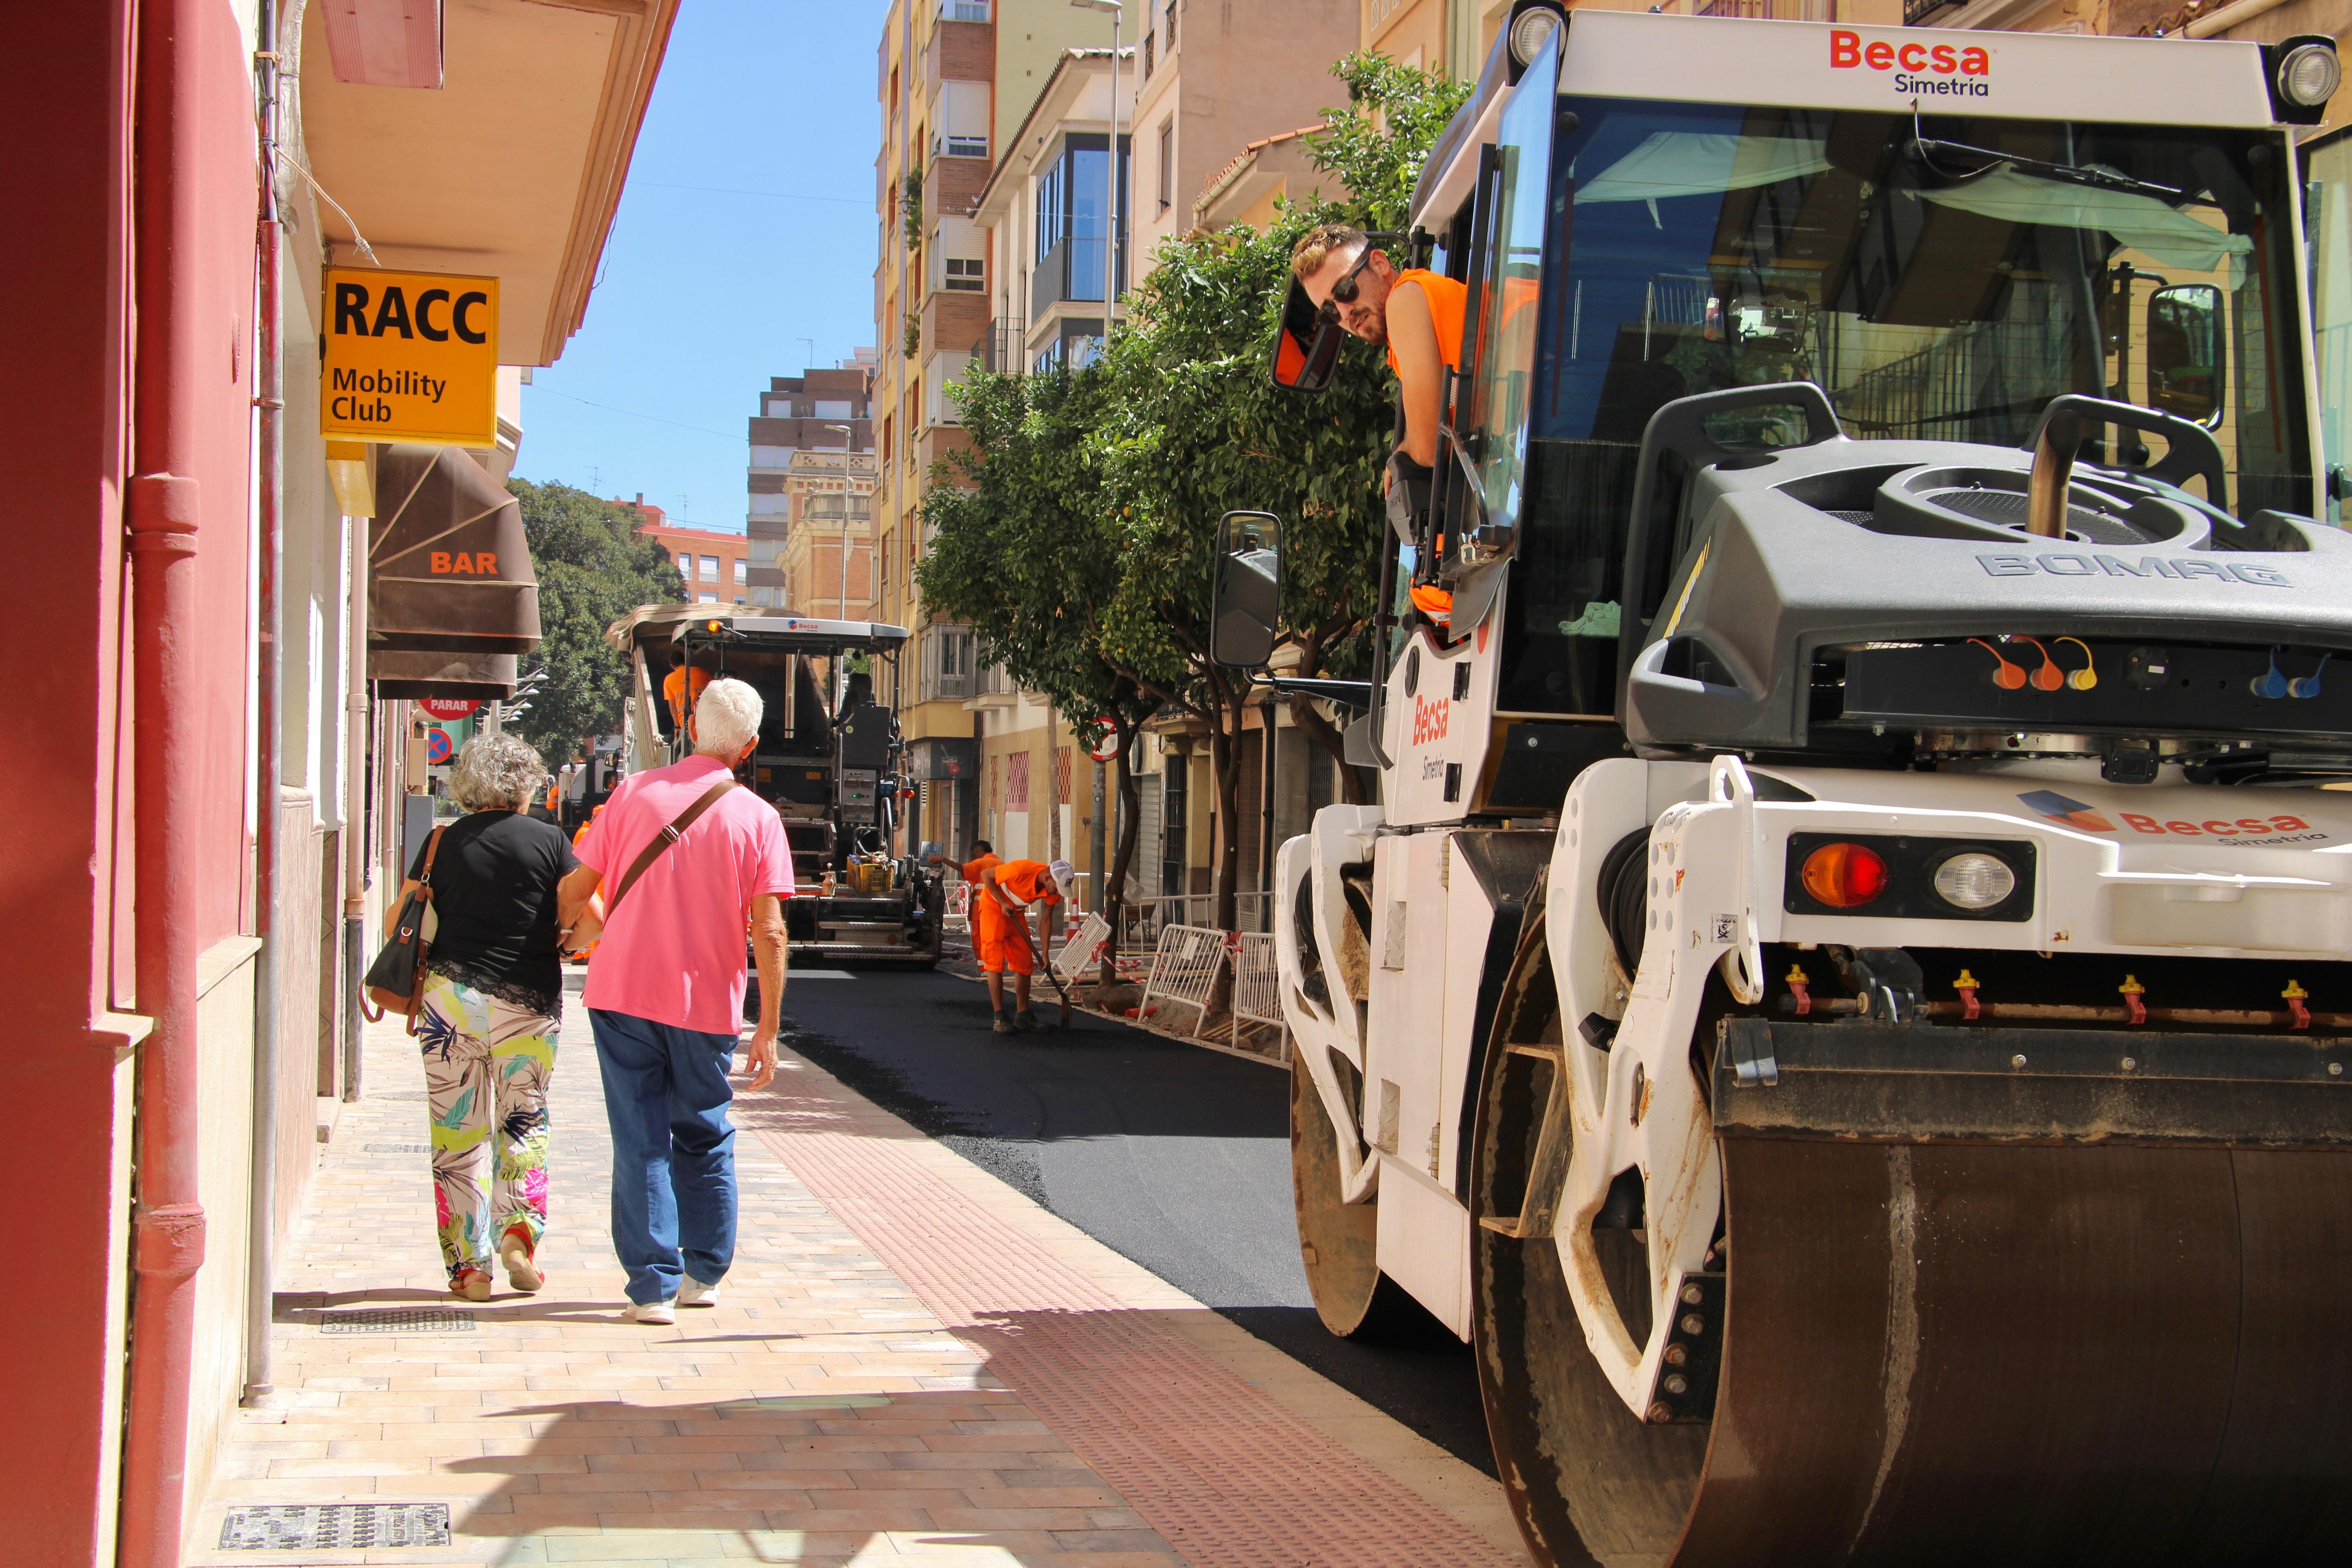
{"points": [[432, 848], [662, 842]]}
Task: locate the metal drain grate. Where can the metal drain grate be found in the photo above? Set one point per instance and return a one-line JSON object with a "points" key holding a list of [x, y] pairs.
{"points": [[334, 1526], [395, 1148], [392, 1320]]}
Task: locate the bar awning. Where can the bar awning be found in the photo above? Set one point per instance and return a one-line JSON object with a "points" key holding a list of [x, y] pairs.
{"points": [[448, 564], [486, 677]]}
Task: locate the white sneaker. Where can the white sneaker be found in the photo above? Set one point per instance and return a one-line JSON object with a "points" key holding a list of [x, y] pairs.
{"points": [[650, 1312], [693, 1293]]}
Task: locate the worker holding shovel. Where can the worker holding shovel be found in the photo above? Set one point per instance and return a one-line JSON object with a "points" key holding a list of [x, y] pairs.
{"points": [[1000, 928]]}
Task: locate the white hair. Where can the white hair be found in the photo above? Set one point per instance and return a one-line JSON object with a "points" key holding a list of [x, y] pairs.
{"points": [[496, 772], [726, 719]]}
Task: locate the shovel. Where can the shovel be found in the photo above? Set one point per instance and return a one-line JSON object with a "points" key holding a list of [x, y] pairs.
{"points": [[1061, 990]]}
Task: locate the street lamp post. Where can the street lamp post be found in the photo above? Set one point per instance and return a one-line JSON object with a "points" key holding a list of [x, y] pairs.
{"points": [[1111, 204], [845, 433]]}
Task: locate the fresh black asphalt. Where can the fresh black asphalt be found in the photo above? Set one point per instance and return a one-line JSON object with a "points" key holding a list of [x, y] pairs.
{"points": [[1176, 1157]]}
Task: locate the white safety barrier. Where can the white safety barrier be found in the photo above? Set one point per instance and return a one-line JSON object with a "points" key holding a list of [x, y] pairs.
{"points": [[959, 913], [1258, 990], [1185, 971], [1083, 950]]}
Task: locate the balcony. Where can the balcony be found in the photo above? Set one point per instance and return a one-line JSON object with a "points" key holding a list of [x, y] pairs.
{"points": [[998, 349], [1071, 271]]}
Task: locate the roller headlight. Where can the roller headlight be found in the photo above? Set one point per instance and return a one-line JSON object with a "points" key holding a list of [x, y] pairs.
{"points": [[2308, 75], [1532, 28], [1974, 880]]}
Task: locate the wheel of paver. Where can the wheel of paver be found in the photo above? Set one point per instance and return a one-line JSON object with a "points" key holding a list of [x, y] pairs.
{"points": [[1936, 1354], [1335, 1239]]}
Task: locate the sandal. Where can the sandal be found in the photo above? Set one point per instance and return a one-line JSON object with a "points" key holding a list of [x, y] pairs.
{"points": [[514, 1251], [470, 1285]]}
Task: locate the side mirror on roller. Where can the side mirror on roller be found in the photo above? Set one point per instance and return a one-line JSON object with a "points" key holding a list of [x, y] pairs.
{"points": [[1247, 606], [1306, 349]]}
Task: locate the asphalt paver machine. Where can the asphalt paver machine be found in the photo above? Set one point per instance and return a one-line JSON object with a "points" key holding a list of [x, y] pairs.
{"points": [[828, 760], [1843, 1001]]}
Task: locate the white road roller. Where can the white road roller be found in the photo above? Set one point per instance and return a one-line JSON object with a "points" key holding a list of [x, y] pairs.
{"points": [[1844, 1001]]}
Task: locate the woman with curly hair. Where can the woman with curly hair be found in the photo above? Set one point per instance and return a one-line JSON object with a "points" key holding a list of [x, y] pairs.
{"points": [[493, 999]]}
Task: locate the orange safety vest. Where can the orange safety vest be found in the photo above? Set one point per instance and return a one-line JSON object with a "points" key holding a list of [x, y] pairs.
{"points": [[1028, 882], [1448, 298]]}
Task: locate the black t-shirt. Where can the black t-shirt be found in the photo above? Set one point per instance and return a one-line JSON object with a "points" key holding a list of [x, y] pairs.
{"points": [[494, 896]]}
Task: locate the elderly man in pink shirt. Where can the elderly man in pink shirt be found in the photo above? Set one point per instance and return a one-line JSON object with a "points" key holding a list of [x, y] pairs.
{"points": [[683, 859]]}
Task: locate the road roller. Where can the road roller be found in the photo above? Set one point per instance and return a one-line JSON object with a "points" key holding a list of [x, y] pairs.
{"points": [[1841, 1001]]}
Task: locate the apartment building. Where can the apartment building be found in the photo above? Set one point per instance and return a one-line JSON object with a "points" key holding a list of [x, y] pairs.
{"points": [[955, 77], [821, 412], [1211, 83], [715, 565]]}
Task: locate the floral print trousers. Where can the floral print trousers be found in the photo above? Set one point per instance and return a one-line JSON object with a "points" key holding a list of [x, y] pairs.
{"points": [[487, 1066]]}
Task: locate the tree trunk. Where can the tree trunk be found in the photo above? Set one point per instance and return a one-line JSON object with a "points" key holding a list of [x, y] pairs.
{"points": [[1130, 805], [1224, 754]]}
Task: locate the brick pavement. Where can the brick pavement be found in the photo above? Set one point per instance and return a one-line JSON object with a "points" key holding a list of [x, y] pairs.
{"points": [[911, 1361]]}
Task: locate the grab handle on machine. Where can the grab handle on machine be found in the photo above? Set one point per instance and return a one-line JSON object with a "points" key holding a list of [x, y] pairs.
{"points": [[2192, 450], [1743, 965]]}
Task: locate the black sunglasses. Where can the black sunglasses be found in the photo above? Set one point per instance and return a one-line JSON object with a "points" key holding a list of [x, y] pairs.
{"points": [[1343, 291]]}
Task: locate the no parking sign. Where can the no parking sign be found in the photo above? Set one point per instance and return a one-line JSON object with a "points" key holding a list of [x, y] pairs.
{"points": [[436, 744]]}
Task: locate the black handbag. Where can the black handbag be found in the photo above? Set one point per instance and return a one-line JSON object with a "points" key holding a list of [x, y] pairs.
{"points": [[397, 978]]}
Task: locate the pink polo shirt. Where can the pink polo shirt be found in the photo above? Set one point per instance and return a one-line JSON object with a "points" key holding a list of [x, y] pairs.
{"points": [[672, 952]]}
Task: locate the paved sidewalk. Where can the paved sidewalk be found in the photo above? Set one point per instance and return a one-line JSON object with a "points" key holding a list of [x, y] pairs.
{"points": [[910, 1362]]}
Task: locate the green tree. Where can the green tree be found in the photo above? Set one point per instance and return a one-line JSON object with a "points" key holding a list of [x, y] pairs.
{"points": [[593, 568], [1379, 141], [1025, 557], [1195, 428]]}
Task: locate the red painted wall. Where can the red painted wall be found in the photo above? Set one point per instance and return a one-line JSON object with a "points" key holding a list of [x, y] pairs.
{"points": [[65, 853]]}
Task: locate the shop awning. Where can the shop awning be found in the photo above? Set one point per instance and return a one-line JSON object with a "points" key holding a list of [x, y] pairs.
{"points": [[486, 677], [448, 566]]}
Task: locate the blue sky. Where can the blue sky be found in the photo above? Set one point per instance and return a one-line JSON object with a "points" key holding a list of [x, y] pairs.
{"points": [[706, 290]]}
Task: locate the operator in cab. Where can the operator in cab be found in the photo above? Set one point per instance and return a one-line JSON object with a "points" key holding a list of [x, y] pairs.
{"points": [[683, 688], [1000, 928], [1415, 315]]}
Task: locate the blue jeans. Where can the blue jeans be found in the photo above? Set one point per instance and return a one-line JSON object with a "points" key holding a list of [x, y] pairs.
{"points": [[666, 1095]]}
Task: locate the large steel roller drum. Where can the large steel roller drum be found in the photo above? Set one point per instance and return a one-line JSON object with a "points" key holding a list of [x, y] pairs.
{"points": [[1939, 1352]]}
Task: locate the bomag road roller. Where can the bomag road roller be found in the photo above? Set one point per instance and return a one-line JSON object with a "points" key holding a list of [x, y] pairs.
{"points": [[1842, 1001]]}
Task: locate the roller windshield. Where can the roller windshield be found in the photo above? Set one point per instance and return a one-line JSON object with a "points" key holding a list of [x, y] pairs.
{"points": [[1942, 279]]}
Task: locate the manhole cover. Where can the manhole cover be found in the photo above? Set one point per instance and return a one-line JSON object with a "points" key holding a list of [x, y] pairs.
{"points": [[395, 1148], [334, 1526], [392, 1320]]}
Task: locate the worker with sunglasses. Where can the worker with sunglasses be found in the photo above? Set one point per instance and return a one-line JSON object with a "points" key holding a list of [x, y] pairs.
{"points": [[1416, 316]]}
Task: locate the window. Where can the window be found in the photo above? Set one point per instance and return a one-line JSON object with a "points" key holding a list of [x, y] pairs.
{"points": [[771, 458], [766, 506], [685, 564], [1172, 27], [743, 572], [963, 10], [1167, 162], [832, 408], [964, 273], [706, 598], [779, 408], [967, 146], [1150, 39], [710, 568], [1016, 782], [1070, 219]]}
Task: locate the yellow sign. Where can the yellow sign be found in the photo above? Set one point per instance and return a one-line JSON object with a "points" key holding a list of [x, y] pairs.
{"points": [[410, 356]]}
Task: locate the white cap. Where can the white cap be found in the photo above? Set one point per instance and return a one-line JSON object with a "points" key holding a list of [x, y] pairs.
{"points": [[1065, 875]]}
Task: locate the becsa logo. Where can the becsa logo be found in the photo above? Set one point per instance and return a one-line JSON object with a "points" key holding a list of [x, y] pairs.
{"points": [[1938, 68], [1429, 719]]}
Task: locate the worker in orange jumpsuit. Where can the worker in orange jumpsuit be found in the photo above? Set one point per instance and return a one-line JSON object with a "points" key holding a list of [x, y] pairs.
{"points": [[1006, 891], [683, 688], [1415, 315]]}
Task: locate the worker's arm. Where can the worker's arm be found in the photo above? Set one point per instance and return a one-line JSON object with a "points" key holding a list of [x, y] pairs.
{"points": [[771, 953], [579, 911], [1413, 339]]}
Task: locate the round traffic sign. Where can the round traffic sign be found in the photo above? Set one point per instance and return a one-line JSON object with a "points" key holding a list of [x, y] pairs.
{"points": [[1107, 748], [450, 707], [436, 745]]}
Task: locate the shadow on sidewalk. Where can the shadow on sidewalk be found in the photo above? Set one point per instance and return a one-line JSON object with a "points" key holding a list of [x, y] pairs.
{"points": [[810, 1479]]}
